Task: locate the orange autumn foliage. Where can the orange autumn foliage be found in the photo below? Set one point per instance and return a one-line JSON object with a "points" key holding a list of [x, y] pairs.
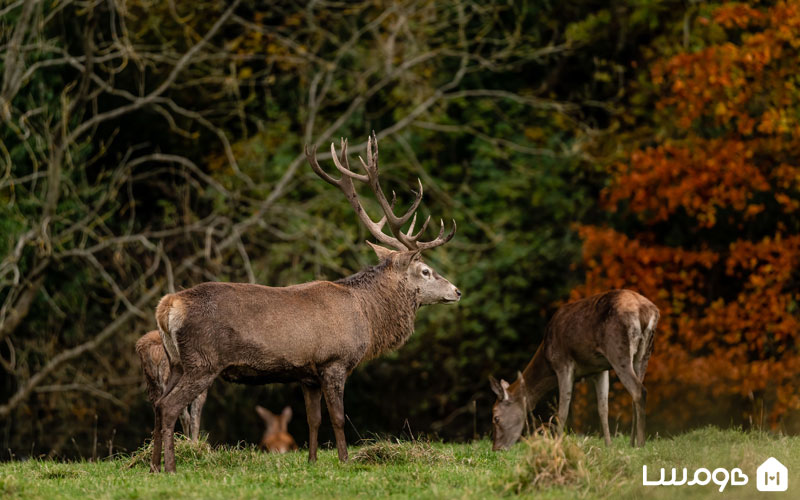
{"points": [[706, 222]]}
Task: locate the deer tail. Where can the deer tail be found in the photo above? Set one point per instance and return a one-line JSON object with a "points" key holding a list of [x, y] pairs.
{"points": [[649, 322], [170, 315]]}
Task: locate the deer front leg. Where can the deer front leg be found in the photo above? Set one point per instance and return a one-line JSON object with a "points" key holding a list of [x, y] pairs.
{"points": [[155, 459], [312, 395], [566, 378], [601, 387], [333, 387]]}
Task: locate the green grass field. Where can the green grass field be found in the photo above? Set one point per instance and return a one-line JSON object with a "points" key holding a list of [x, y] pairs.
{"points": [[542, 467]]}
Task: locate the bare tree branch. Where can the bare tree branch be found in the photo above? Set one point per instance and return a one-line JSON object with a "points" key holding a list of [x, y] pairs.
{"points": [[69, 354]]}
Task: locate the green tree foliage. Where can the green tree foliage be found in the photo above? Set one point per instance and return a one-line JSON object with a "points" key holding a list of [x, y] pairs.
{"points": [[149, 146]]}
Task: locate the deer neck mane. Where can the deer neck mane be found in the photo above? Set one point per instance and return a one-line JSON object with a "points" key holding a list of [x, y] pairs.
{"points": [[389, 304], [539, 379]]}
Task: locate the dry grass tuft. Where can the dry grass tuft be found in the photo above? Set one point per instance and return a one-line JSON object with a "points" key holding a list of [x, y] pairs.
{"points": [[185, 450], [550, 460], [387, 452]]}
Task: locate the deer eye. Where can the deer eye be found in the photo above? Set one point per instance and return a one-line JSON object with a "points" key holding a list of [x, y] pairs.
{"points": [[426, 273], [496, 419]]}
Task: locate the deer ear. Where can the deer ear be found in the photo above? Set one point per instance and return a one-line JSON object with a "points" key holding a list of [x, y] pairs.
{"points": [[497, 388], [287, 414], [404, 259], [265, 414], [505, 385], [520, 378], [381, 252]]}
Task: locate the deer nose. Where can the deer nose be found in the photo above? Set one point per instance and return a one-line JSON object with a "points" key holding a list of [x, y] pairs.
{"points": [[458, 292]]}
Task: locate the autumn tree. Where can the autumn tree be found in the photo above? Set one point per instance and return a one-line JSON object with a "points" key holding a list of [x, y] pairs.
{"points": [[703, 217]]}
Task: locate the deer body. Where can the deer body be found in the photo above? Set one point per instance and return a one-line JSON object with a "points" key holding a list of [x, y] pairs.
{"points": [[155, 366], [245, 327], [314, 333], [585, 338]]}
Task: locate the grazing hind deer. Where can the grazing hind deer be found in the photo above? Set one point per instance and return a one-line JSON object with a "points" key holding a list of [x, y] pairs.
{"points": [[156, 372], [276, 437], [315, 333], [584, 338]]}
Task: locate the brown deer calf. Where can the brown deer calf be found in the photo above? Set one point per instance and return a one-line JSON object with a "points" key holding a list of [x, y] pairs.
{"points": [[156, 372], [584, 338], [276, 437], [315, 333]]}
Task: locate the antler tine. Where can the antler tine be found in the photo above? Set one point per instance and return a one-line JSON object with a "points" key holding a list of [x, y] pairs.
{"points": [[438, 241], [415, 237], [345, 184], [399, 239], [395, 222], [311, 156], [346, 169], [411, 227]]}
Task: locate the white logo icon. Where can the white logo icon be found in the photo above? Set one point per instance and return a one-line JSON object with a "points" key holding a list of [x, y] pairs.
{"points": [[772, 476]]}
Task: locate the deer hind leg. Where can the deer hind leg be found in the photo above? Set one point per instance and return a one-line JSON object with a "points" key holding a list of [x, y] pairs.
{"points": [[188, 387], [601, 387], [195, 410], [640, 360], [645, 349], [333, 388], [186, 422], [638, 393], [640, 368], [158, 394], [566, 379], [312, 395]]}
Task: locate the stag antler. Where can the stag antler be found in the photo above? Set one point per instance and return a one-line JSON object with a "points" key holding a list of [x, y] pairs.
{"points": [[400, 240]]}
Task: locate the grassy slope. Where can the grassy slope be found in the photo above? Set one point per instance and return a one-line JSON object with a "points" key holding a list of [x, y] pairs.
{"points": [[418, 470]]}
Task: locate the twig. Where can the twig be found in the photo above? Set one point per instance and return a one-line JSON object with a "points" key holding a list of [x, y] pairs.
{"points": [[94, 440]]}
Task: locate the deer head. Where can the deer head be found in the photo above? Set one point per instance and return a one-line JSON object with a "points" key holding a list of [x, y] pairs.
{"points": [[508, 413], [404, 254], [276, 437]]}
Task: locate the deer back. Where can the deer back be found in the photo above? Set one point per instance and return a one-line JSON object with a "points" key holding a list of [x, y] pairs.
{"points": [[587, 331]]}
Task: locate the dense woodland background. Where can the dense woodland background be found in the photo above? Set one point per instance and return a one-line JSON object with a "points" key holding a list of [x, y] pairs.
{"points": [[147, 146]]}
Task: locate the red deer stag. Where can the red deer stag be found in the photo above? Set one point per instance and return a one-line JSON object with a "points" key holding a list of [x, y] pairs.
{"points": [[315, 333], [156, 372], [276, 437], [584, 338]]}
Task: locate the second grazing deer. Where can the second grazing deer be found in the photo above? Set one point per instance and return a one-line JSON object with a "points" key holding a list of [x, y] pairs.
{"points": [[156, 372], [585, 338], [315, 333], [276, 437]]}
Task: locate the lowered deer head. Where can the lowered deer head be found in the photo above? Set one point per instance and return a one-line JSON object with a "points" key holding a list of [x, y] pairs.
{"points": [[509, 412]]}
